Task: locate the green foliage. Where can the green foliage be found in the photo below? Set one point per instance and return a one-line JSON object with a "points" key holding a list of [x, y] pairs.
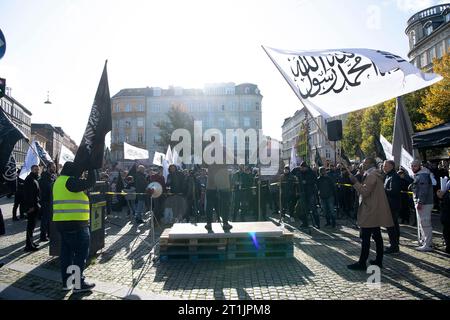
{"points": [[177, 119], [352, 135]]}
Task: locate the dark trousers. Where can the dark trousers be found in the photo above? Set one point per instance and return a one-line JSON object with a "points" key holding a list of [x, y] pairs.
{"points": [[2, 224], [446, 233], [74, 251], [328, 210], [31, 224], [220, 201], [394, 232], [375, 233], [46, 213], [18, 197], [306, 204]]}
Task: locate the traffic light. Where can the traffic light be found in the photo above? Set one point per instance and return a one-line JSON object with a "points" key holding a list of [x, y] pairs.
{"points": [[2, 87]]}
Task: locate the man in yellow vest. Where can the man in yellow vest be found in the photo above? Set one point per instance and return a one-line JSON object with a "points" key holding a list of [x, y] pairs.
{"points": [[71, 217]]}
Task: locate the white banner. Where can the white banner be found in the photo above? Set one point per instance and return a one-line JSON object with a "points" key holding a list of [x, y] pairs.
{"points": [[158, 159], [338, 81], [133, 153], [65, 155], [387, 147], [30, 160], [405, 161]]}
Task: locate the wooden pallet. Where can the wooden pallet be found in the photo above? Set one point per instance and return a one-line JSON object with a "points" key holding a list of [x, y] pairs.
{"points": [[194, 257], [259, 255]]}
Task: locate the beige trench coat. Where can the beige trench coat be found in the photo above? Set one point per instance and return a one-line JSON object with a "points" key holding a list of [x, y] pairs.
{"points": [[374, 208]]}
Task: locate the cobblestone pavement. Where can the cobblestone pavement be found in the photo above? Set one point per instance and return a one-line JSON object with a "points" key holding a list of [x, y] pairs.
{"points": [[125, 269]]}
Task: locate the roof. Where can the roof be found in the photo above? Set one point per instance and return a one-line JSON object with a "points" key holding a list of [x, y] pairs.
{"points": [[18, 103]]}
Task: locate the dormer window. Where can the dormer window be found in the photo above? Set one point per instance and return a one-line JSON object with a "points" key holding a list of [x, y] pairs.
{"points": [[428, 28], [412, 38]]}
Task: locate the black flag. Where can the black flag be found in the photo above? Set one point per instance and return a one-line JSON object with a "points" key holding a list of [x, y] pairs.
{"points": [[90, 152], [318, 160], [379, 151], [8, 178], [9, 135]]}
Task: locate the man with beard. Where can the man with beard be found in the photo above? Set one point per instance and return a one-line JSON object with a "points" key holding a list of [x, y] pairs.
{"points": [[32, 206]]}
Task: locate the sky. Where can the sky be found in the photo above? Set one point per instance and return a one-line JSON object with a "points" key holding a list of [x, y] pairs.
{"points": [[60, 46]]}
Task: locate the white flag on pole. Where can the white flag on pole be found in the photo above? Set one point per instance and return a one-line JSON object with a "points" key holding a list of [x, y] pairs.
{"points": [[387, 147], [31, 159], [133, 153], [405, 161], [158, 159], [65, 155], [169, 156], [338, 81]]}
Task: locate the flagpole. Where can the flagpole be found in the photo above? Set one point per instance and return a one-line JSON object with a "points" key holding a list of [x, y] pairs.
{"points": [[304, 106], [36, 153]]}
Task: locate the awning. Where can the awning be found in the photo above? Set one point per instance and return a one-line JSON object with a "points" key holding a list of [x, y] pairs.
{"points": [[437, 137]]}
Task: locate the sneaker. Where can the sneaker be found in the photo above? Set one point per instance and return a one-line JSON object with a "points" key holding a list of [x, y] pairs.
{"points": [[357, 266], [376, 263], [85, 286], [424, 249], [391, 250]]}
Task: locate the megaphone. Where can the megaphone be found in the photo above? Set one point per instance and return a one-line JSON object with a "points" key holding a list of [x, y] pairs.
{"points": [[155, 189]]}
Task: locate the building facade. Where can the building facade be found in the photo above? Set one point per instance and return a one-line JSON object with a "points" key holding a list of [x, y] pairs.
{"points": [[21, 117], [136, 112], [52, 138], [429, 35], [317, 140]]}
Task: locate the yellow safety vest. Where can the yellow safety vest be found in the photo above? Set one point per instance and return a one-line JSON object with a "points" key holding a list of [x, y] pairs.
{"points": [[69, 206]]}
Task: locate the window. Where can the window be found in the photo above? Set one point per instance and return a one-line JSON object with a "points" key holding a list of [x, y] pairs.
{"points": [[117, 108], [246, 122], [428, 28], [327, 153], [127, 138], [412, 38], [156, 107], [140, 108], [247, 90], [440, 50], [156, 92], [127, 124], [128, 108], [140, 122], [140, 137], [423, 59], [431, 54], [221, 123], [258, 106], [223, 107], [257, 123]]}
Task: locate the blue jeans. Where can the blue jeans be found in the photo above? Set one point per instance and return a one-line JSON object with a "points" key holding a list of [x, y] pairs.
{"points": [[328, 209], [140, 207], [74, 251]]}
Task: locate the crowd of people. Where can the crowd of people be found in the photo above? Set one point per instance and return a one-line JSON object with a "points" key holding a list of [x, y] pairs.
{"points": [[371, 195]]}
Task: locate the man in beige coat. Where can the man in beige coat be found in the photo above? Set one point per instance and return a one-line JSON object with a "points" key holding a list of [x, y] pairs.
{"points": [[373, 212]]}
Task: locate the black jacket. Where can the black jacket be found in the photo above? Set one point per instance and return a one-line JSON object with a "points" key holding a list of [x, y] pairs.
{"points": [[445, 209], [392, 187], [45, 184], [325, 186], [32, 193]]}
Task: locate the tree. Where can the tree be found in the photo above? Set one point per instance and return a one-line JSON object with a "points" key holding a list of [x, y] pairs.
{"points": [[436, 102], [177, 119], [352, 135], [371, 127]]}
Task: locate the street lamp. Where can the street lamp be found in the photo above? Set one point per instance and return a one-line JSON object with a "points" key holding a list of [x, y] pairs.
{"points": [[48, 99]]}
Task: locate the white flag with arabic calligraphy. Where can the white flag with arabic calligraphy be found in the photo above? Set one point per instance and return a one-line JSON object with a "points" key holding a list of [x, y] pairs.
{"points": [[133, 153], [338, 81]]}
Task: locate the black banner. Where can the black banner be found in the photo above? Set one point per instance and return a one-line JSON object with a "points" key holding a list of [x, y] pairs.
{"points": [[90, 152]]}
